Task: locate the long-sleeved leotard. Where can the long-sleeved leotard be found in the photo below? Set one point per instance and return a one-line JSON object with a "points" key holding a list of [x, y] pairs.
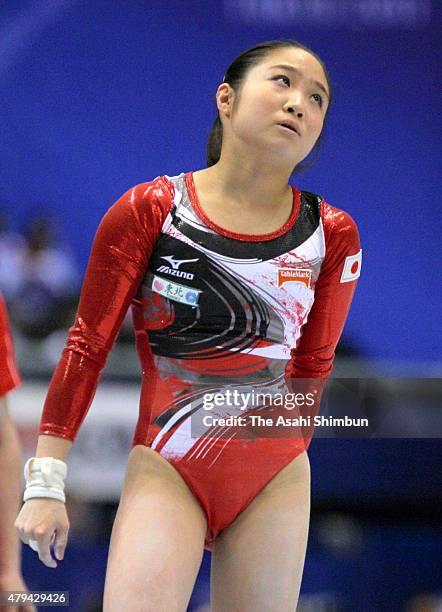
{"points": [[213, 311], [9, 376]]}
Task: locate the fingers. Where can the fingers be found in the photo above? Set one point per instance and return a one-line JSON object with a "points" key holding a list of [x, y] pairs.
{"points": [[43, 539], [61, 540], [42, 531]]}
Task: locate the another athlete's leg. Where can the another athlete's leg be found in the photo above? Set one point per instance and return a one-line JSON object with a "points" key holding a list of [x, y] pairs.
{"points": [[257, 562], [157, 540]]}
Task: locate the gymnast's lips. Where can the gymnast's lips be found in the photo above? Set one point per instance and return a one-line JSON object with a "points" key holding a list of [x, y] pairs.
{"points": [[291, 125]]}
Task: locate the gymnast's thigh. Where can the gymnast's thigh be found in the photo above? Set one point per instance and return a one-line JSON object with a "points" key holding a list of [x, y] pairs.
{"points": [[157, 540], [257, 562]]}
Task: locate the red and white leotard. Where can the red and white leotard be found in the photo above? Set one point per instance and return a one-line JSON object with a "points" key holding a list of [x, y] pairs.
{"points": [[212, 310]]}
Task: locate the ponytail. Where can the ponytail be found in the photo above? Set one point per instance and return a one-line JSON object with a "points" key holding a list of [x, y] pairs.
{"points": [[214, 143]]}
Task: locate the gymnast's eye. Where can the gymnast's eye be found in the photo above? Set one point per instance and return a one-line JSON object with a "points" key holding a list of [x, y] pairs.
{"points": [[318, 99], [282, 76]]}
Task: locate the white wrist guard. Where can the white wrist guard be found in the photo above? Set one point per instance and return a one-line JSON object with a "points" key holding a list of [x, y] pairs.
{"points": [[45, 478]]}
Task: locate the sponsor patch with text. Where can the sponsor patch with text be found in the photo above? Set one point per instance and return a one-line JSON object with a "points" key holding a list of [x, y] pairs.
{"points": [[298, 275], [175, 291]]}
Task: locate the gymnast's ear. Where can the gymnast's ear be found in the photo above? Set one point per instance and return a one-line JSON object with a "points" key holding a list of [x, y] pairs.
{"points": [[225, 97]]}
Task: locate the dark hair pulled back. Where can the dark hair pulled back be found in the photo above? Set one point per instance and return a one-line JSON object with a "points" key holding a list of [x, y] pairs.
{"points": [[236, 74]]}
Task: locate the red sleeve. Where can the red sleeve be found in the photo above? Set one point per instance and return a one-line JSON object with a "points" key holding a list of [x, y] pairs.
{"points": [[315, 351], [311, 361], [9, 376], [118, 260]]}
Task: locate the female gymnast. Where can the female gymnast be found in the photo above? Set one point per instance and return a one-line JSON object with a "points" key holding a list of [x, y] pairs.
{"points": [[222, 267]]}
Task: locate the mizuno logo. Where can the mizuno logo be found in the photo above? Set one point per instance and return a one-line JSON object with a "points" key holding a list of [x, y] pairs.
{"points": [[175, 263], [174, 270]]}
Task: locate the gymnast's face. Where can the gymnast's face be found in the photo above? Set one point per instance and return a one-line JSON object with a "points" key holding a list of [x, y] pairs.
{"points": [[270, 95]]}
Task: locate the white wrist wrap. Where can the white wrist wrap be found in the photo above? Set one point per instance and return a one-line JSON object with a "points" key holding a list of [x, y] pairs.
{"points": [[45, 478]]}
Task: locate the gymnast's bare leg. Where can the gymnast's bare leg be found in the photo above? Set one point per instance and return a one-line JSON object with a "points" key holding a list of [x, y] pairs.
{"points": [[257, 562], [157, 540]]}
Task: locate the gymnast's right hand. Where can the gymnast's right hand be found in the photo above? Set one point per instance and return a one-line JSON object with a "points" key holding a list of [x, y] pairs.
{"points": [[42, 523], [43, 520]]}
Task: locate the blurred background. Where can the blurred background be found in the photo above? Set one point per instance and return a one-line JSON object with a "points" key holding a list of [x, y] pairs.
{"points": [[99, 96]]}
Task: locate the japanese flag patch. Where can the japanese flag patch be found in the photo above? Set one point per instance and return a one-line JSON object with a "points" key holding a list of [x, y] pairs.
{"points": [[352, 267]]}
